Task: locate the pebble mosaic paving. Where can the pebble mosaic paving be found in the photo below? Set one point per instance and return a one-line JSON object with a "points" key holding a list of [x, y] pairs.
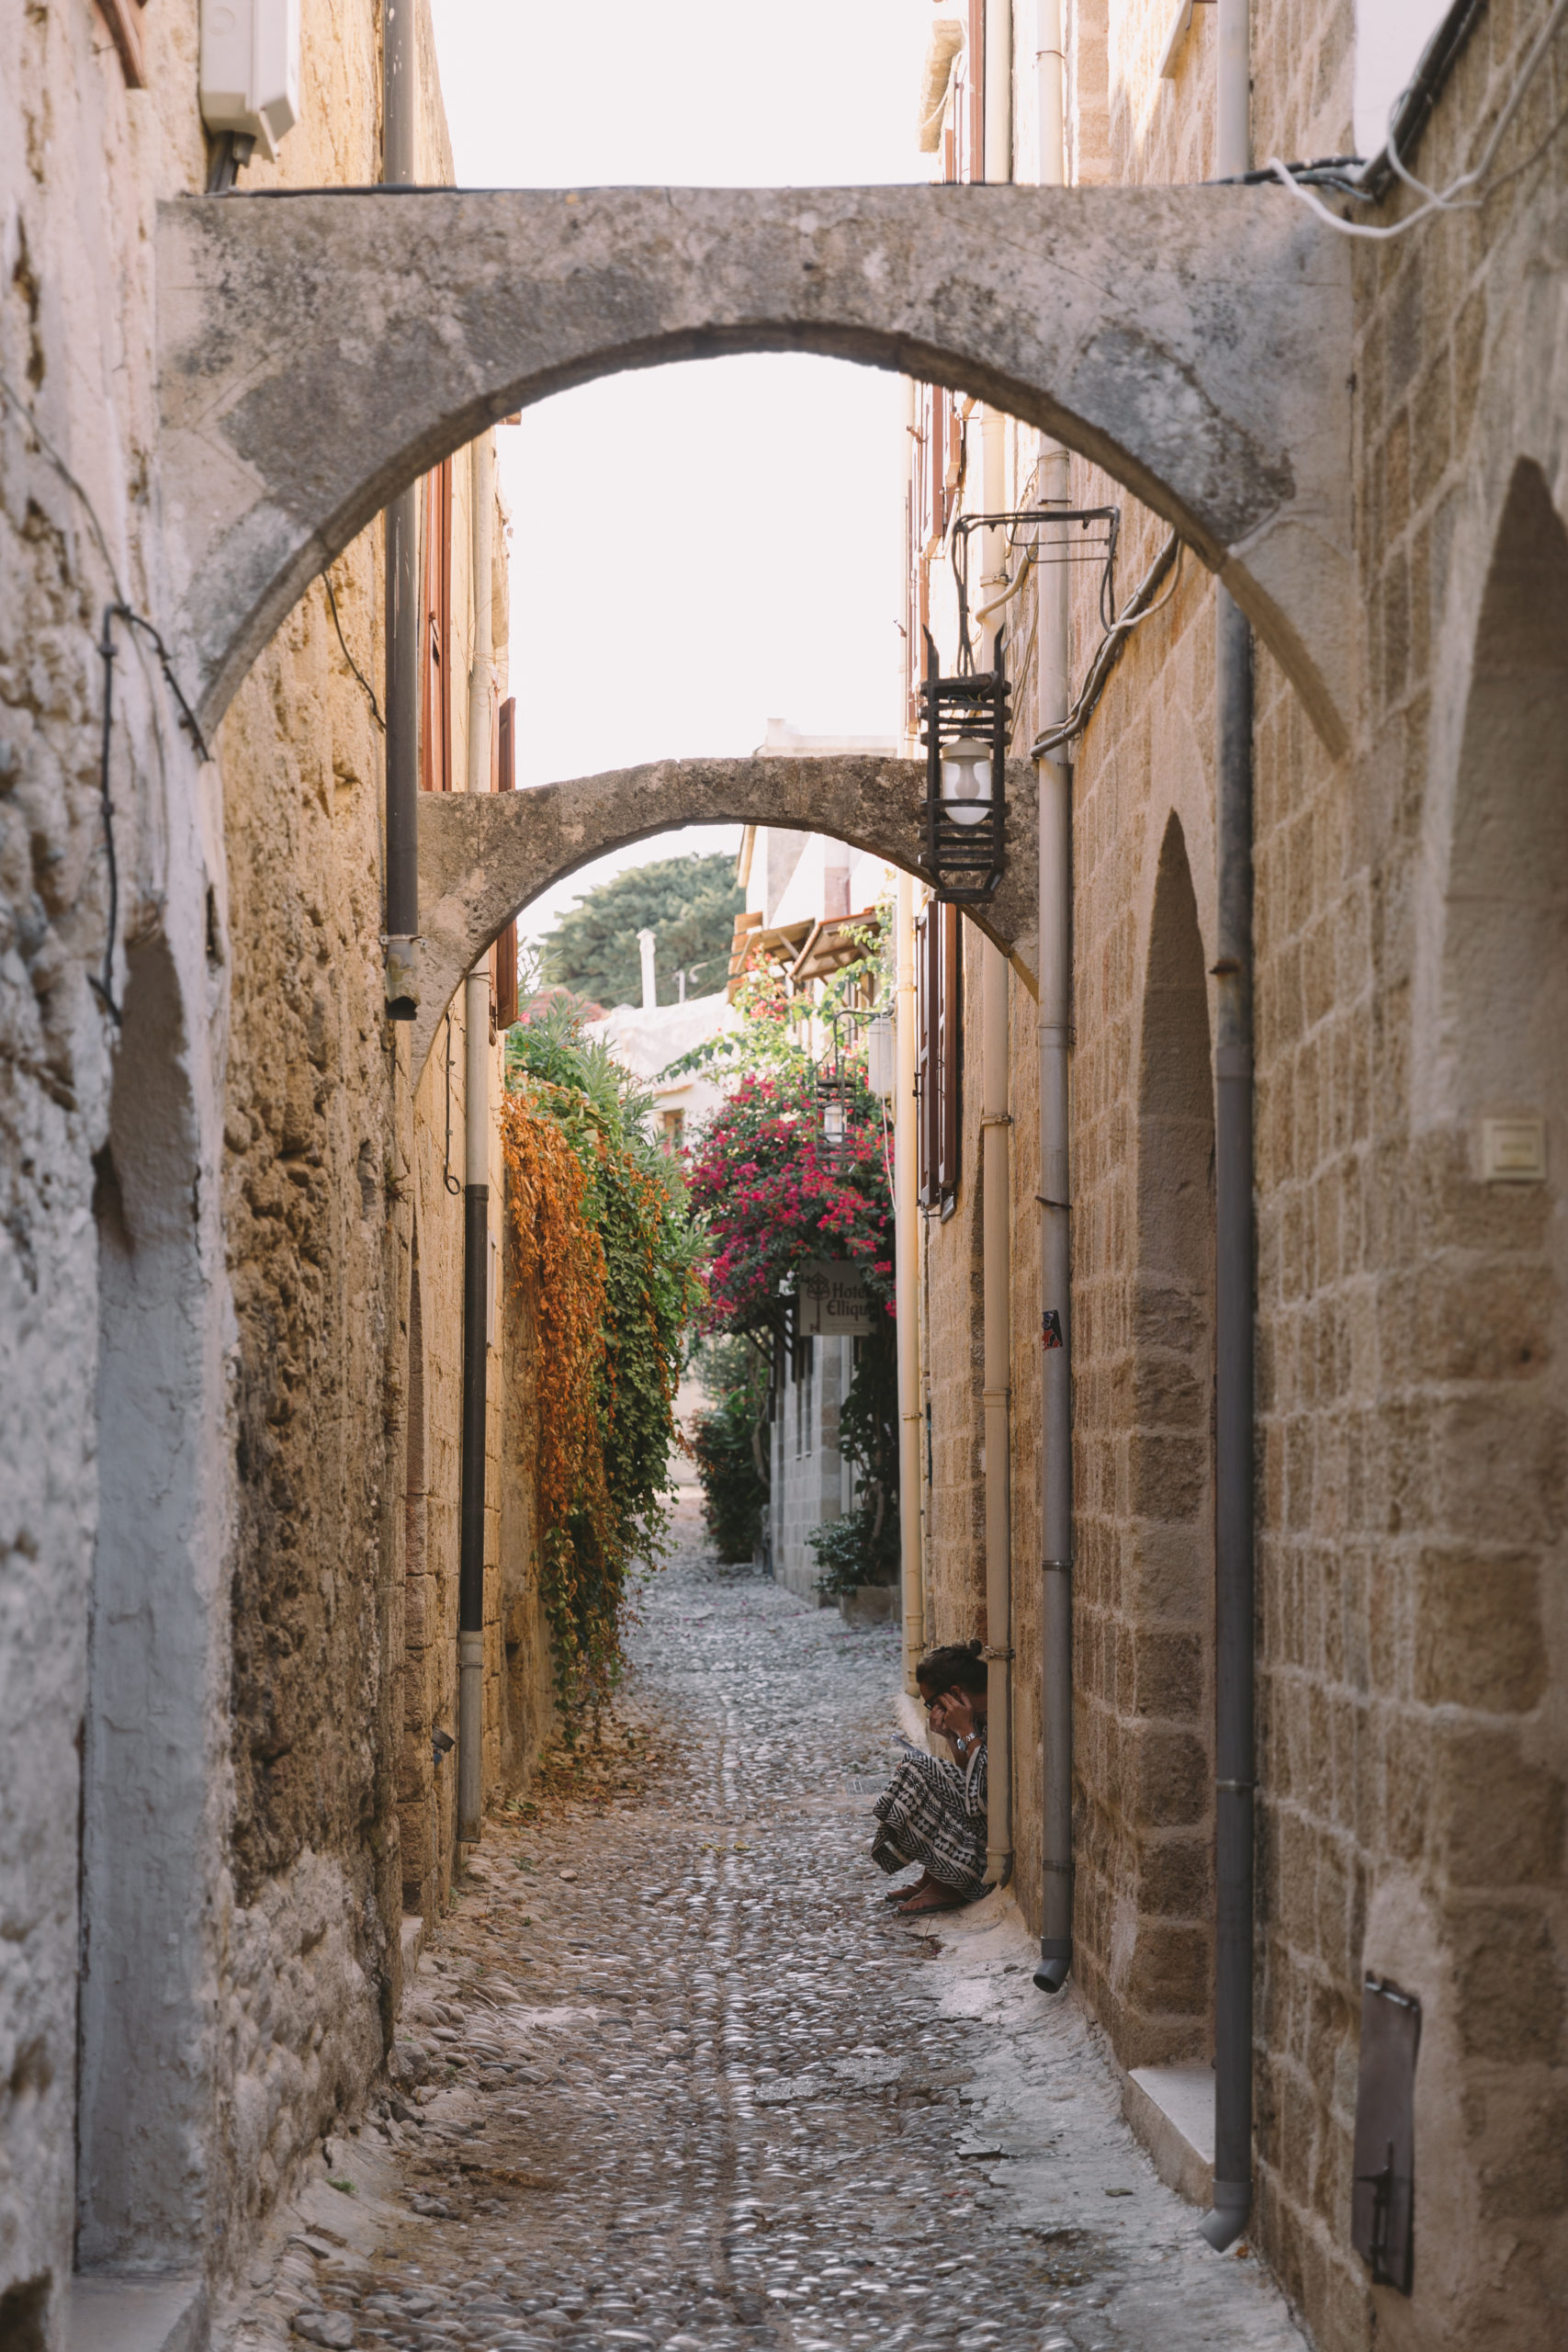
{"points": [[673, 2075]]}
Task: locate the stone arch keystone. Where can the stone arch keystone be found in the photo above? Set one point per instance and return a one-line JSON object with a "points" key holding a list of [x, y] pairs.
{"points": [[319, 351]]}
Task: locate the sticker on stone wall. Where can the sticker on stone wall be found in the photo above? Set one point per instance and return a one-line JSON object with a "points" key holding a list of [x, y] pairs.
{"points": [[1051, 1329], [1383, 2195]]}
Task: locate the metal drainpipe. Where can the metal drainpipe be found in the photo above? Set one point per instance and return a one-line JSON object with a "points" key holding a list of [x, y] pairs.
{"points": [[399, 107], [906, 1247], [1233, 1659], [1056, 805], [997, 1251], [996, 1213], [476, 1211]]}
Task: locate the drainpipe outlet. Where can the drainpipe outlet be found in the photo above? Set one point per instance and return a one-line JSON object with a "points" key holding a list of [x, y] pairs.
{"points": [[1055, 1965], [1233, 2203], [403, 979]]}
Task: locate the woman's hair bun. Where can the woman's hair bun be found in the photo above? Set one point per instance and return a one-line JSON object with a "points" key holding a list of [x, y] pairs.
{"points": [[957, 1666]]}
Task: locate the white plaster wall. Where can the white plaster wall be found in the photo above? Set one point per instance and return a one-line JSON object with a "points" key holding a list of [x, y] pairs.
{"points": [[808, 1486]]}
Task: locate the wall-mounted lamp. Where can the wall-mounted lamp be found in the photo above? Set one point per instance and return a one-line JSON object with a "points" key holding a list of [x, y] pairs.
{"points": [[835, 1083], [964, 729]]}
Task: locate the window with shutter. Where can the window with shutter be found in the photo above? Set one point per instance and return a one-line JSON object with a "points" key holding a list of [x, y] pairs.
{"points": [[949, 1051], [435, 712], [123, 18], [503, 954]]}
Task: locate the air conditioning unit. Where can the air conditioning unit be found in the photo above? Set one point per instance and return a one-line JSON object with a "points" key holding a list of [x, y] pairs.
{"points": [[250, 69]]}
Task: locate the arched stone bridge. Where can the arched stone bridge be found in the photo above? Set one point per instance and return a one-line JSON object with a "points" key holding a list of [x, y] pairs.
{"points": [[483, 857], [318, 351]]}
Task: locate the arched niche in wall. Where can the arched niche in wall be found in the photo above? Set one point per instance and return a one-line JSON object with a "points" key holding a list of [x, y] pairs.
{"points": [[1471, 1912], [1150, 1927], [1506, 965]]}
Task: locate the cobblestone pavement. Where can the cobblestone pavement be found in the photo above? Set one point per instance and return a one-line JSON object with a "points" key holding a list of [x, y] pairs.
{"points": [[689, 2085]]}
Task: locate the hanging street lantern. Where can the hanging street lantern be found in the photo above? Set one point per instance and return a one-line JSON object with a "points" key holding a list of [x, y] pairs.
{"points": [[835, 1085], [964, 724]]}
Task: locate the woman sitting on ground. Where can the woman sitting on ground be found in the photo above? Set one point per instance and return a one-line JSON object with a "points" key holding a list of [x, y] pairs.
{"points": [[933, 1813]]}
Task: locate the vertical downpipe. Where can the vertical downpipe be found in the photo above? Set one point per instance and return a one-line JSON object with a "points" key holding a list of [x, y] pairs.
{"points": [[996, 1249], [1056, 805], [996, 1212], [906, 1248], [1234, 1644], [400, 106], [476, 1210]]}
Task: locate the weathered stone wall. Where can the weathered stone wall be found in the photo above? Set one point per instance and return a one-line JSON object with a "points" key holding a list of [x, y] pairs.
{"points": [[206, 1233], [79, 161], [1411, 969]]}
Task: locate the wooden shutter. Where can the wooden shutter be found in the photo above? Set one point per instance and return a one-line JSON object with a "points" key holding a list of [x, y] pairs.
{"points": [[925, 1159], [435, 712], [123, 18], [938, 1054], [503, 954]]}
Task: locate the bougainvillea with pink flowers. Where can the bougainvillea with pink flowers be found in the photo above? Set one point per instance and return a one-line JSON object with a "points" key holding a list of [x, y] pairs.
{"points": [[774, 1197], [771, 1194]]}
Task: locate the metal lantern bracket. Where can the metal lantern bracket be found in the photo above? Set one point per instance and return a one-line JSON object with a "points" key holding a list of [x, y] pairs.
{"points": [[964, 861], [1098, 530]]}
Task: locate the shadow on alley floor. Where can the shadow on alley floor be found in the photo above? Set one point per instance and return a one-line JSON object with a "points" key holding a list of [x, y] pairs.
{"points": [[684, 2082]]}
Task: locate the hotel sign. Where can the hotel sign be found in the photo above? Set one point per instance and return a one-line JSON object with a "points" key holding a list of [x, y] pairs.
{"points": [[831, 1301]]}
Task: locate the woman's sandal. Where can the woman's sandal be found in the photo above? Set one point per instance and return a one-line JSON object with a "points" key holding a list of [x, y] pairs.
{"points": [[934, 1898]]}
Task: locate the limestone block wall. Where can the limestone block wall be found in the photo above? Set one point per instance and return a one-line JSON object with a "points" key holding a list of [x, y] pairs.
{"points": [[1410, 968], [1411, 976]]}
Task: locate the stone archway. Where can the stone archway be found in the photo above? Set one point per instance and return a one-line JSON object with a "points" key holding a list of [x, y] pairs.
{"points": [[483, 857], [1195, 341]]}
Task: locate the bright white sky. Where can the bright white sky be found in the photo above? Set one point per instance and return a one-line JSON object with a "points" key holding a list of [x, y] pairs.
{"points": [[1390, 36], [698, 548]]}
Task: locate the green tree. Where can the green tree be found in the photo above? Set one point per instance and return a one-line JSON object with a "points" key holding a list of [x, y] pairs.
{"points": [[690, 905]]}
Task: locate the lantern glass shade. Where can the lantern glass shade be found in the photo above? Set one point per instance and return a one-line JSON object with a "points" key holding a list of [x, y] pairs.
{"points": [[966, 781], [833, 1122]]}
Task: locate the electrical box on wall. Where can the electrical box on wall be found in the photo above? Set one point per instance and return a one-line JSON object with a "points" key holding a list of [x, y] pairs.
{"points": [[250, 69]]}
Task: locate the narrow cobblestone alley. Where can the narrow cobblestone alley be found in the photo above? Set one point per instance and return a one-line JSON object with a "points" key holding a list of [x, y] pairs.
{"points": [[687, 2083]]}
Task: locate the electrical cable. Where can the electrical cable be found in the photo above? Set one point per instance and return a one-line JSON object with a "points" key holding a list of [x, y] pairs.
{"points": [[1451, 199], [1109, 651], [121, 609], [103, 989], [337, 624]]}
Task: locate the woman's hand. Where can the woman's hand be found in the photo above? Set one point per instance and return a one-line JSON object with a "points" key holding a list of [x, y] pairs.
{"points": [[960, 1724], [952, 1714]]}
